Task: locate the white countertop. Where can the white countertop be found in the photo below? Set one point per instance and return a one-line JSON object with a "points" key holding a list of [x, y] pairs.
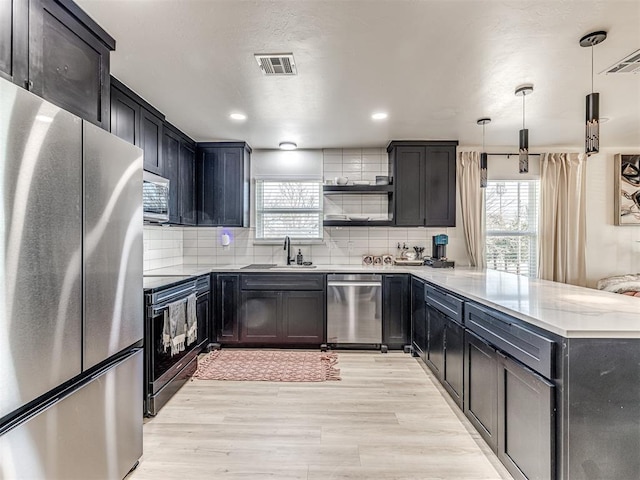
{"points": [[567, 310]]}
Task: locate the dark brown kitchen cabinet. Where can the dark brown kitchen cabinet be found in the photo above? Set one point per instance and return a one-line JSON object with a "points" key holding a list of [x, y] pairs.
{"points": [[481, 388], [259, 312], [227, 298], [526, 422], [151, 139], [125, 115], [436, 325], [14, 41], [424, 175], [303, 317], [395, 314], [453, 372], [187, 182], [418, 319], [171, 160], [222, 173], [203, 312], [179, 167], [69, 59]]}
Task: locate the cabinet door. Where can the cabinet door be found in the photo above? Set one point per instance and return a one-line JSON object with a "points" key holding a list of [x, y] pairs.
{"points": [[481, 388], [453, 375], [171, 160], [436, 322], [302, 317], [68, 64], [259, 312], [409, 190], [440, 186], [395, 315], [187, 187], [227, 298], [418, 319], [229, 202], [203, 311], [14, 39], [151, 141], [125, 117], [526, 423], [223, 186]]}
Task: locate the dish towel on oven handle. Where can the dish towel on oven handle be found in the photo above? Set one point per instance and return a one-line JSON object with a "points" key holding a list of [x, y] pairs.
{"points": [[192, 319], [173, 332]]}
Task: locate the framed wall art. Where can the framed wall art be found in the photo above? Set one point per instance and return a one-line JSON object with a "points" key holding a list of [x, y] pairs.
{"points": [[627, 189]]}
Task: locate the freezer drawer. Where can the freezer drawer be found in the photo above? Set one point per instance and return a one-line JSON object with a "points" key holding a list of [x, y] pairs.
{"points": [[93, 432]]}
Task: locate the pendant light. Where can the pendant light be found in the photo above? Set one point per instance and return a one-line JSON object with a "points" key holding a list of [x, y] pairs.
{"points": [[483, 155], [592, 128], [523, 91]]}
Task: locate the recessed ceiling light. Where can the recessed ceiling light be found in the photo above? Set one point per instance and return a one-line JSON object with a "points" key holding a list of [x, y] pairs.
{"points": [[238, 116], [287, 146], [379, 116]]}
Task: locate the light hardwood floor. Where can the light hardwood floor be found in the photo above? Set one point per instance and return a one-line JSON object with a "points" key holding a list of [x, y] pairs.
{"points": [[387, 418]]}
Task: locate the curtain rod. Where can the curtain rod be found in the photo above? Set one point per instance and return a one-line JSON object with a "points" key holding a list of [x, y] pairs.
{"points": [[509, 154]]}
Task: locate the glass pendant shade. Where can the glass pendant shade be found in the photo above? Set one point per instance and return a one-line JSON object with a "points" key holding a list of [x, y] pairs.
{"points": [[524, 151], [592, 132]]}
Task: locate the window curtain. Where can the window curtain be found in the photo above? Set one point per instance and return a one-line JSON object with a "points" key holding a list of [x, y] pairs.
{"points": [[471, 206], [562, 243]]}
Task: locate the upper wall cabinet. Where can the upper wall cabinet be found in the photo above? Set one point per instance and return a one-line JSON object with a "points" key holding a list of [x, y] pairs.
{"points": [[14, 41], [179, 167], [136, 121], [68, 59], [222, 173], [424, 174]]}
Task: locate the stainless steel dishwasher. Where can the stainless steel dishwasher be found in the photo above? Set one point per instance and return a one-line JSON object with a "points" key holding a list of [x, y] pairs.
{"points": [[354, 309]]}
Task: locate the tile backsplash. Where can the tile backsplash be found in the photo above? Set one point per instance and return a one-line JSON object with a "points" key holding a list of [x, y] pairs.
{"points": [[168, 246]]}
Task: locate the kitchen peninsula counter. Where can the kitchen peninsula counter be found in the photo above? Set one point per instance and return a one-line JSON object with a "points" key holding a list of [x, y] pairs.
{"points": [[565, 310]]}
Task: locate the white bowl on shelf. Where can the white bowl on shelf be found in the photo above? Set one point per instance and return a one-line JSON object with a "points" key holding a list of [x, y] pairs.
{"points": [[341, 180], [359, 218]]}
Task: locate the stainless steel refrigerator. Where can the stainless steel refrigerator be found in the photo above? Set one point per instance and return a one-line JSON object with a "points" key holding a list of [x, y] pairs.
{"points": [[71, 323]]}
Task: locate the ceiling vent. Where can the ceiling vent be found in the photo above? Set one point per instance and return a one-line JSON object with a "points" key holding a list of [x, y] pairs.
{"points": [[631, 64], [276, 63]]}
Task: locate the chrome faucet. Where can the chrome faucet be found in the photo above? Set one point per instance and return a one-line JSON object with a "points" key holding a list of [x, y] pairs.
{"points": [[287, 247]]}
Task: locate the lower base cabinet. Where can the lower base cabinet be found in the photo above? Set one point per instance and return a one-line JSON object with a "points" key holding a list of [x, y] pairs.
{"points": [[418, 319], [436, 323], [453, 372], [526, 422], [282, 317], [512, 408], [481, 388], [395, 314]]}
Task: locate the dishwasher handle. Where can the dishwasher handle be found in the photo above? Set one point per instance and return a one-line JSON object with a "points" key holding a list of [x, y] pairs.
{"points": [[354, 284]]}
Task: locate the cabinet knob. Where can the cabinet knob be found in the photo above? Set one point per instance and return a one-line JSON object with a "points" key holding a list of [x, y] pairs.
{"points": [[28, 84]]}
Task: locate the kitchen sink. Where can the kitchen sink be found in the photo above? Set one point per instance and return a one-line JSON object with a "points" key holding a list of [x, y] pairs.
{"points": [[293, 267]]}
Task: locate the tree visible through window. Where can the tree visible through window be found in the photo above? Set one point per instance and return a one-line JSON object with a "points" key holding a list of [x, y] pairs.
{"points": [[511, 215], [288, 208]]}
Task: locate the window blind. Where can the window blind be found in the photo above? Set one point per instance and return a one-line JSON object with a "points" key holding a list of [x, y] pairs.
{"points": [[511, 216], [288, 208]]}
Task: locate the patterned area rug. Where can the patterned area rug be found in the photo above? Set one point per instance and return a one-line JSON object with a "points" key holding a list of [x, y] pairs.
{"points": [[268, 365]]}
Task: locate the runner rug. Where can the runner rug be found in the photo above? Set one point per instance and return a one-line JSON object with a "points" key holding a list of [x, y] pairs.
{"points": [[268, 365]]}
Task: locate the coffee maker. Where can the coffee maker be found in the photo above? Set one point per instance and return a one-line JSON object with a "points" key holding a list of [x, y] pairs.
{"points": [[439, 252]]}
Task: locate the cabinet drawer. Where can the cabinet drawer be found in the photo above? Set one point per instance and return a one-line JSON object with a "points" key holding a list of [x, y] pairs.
{"points": [[451, 306], [532, 349], [286, 281]]}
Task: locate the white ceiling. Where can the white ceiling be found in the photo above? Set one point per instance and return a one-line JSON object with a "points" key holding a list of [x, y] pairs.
{"points": [[435, 66]]}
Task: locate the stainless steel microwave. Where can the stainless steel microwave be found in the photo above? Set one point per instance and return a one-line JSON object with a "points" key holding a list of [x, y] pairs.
{"points": [[155, 198]]}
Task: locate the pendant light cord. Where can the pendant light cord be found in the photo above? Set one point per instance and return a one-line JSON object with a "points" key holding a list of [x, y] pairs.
{"points": [[483, 125], [523, 95], [591, 68]]}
